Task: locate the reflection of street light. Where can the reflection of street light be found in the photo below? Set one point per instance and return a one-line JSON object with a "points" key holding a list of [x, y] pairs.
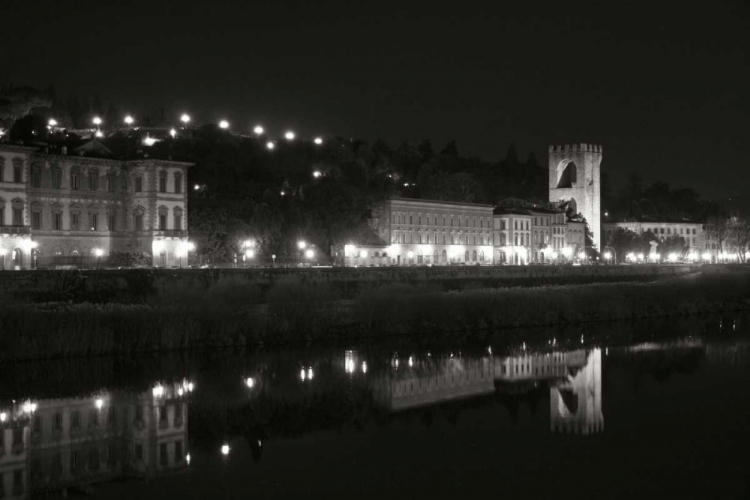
{"points": [[289, 135], [173, 133], [258, 130]]}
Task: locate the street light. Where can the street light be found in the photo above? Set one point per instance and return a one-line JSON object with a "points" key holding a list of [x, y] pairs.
{"points": [[301, 244], [129, 120], [97, 121], [224, 124], [185, 119], [52, 122], [317, 174], [289, 135], [270, 145], [173, 133], [318, 141], [309, 253], [98, 252], [608, 255], [258, 130]]}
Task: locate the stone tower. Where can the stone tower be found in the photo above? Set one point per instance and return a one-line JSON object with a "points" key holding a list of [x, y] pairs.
{"points": [[574, 176]]}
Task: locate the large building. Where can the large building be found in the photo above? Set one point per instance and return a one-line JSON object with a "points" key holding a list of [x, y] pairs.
{"points": [[58, 208], [692, 232], [424, 232]]}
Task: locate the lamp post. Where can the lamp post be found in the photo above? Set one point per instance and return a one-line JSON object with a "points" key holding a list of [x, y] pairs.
{"points": [[607, 256], [98, 252], [301, 245], [185, 119], [129, 120], [273, 258]]}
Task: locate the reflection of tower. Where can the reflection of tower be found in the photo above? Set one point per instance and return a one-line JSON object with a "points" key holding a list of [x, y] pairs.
{"points": [[576, 404], [14, 438], [574, 176]]}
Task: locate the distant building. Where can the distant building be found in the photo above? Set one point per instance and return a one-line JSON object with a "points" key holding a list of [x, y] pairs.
{"points": [[512, 236], [426, 232], [59, 208], [692, 232]]}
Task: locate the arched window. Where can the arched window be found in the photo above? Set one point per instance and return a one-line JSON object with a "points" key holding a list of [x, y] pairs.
{"points": [[75, 178], [466, 256], [138, 218], [163, 212], [474, 256], [177, 219], [178, 183], [94, 179], [17, 170], [444, 257]]}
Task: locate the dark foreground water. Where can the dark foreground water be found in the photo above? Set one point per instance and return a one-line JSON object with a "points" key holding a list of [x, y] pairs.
{"points": [[653, 410]]}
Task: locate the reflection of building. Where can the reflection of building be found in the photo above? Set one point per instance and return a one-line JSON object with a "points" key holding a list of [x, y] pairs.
{"points": [[576, 403], [430, 383], [60, 208], [80, 441], [14, 438]]}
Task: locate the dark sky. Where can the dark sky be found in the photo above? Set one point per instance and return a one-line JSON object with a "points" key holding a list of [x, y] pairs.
{"points": [[662, 86]]}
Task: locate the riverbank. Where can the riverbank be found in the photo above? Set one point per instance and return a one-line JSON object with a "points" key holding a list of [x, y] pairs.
{"points": [[234, 314]]}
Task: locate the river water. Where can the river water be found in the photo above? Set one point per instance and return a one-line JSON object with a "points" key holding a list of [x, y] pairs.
{"points": [[656, 409]]}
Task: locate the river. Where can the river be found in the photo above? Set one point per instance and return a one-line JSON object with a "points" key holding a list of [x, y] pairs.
{"points": [[655, 409]]}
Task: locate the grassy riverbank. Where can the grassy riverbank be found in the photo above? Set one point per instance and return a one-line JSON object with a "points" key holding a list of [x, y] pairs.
{"points": [[234, 313]]}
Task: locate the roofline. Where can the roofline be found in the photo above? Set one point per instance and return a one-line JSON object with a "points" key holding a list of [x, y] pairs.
{"points": [[18, 149], [442, 202], [650, 222]]}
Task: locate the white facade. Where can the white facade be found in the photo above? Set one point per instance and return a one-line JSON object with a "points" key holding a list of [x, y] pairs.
{"points": [[59, 208]]}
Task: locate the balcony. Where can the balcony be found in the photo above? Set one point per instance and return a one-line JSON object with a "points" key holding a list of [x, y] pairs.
{"points": [[15, 230], [170, 233]]}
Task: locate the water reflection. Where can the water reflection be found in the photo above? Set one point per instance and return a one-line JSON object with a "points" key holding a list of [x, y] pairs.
{"points": [[247, 405], [56, 444]]}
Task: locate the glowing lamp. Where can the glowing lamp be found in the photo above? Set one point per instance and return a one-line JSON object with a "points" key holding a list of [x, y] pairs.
{"points": [[258, 130], [301, 244], [185, 118], [97, 121], [289, 135], [99, 403], [224, 124], [225, 449], [410, 254], [270, 145], [363, 254], [309, 253], [129, 120], [318, 141]]}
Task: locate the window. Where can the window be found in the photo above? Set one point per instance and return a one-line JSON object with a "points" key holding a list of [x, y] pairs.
{"points": [[36, 177], [57, 422], [57, 221], [75, 420], [138, 184], [36, 219], [56, 178], [111, 183], [94, 417], [94, 459], [94, 222], [111, 416], [74, 461], [18, 486], [177, 220], [163, 454], [411, 219], [178, 183], [75, 221], [163, 414], [17, 171], [93, 180], [75, 179], [138, 219], [178, 451], [163, 182], [111, 218], [163, 222], [17, 216]]}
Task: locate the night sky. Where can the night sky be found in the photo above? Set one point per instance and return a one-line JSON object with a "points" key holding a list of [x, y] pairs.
{"points": [[662, 86]]}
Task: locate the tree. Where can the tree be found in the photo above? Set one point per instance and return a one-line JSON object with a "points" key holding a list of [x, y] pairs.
{"points": [[624, 242], [738, 238], [716, 231], [674, 244], [450, 149]]}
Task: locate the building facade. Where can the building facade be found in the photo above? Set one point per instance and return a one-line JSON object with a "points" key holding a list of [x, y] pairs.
{"points": [[691, 232], [58, 209], [512, 236], [426, 232]]}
